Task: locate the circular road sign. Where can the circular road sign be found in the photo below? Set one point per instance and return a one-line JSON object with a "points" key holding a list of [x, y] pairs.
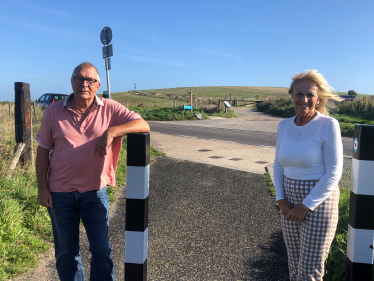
{"points": [[355, 145], [106, 35]]}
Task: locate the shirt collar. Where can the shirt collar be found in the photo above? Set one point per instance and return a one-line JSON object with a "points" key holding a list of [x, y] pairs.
{"points": [[67, 101]]}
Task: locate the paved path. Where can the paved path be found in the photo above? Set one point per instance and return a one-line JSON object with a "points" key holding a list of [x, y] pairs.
{"points": [[205, 223]]}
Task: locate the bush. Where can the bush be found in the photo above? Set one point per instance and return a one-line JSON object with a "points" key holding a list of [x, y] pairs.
{"points": [[352, 93], [361, 107], [280, 105]]}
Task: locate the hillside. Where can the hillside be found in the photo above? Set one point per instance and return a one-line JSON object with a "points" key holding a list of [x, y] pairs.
{"points": [[166, 97]]}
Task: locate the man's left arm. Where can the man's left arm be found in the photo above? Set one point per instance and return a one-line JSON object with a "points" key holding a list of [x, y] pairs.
{"points": [[137, 126]]}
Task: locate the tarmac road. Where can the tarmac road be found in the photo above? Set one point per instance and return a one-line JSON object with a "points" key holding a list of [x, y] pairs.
{"points": [[252, 128]]}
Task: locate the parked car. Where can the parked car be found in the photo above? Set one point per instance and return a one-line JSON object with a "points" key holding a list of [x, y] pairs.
{"points": [[48, 99], [346, 98]]}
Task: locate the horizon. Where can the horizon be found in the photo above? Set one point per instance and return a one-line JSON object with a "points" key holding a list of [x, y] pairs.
{"points": [[168, 44]]}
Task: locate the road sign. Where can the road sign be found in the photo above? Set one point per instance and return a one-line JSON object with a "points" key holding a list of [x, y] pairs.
{"points": [[107, 51], [106, 35]]}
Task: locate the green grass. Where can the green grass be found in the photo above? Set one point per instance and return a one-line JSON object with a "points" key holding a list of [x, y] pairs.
{"points": [[168, 113], [335, 266]]}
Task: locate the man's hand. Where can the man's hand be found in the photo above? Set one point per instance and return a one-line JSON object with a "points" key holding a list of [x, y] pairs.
{"points": [[41, 167], [297, 214], [284, 206], [44, 197], [103, 143], [138, 126]]}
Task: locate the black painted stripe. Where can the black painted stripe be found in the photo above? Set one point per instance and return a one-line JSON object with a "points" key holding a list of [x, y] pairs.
{"points": [[358, 271], [136, 214], [136, 272], [361, 211], [365, 136], [138, 147]]}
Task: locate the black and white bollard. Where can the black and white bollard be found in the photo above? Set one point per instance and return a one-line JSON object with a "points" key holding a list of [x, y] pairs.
{"points": [[361, 207], [137, 193]]}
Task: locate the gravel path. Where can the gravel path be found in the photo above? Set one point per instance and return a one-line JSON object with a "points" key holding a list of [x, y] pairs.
{"points": [[251, 120], [205, 223]]}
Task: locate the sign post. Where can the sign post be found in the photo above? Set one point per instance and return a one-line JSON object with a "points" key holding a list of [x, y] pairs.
{"points": [[361, 207], [105, 38]]}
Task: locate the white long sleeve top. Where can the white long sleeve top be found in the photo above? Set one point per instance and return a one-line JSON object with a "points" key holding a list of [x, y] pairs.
{"points": [[310, 152]]}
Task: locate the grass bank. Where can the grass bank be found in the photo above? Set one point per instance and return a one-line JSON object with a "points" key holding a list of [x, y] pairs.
{"points": [[177, 113]]}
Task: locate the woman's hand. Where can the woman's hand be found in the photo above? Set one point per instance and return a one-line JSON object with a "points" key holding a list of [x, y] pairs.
{"points": [[284, 206], [297, 214]]}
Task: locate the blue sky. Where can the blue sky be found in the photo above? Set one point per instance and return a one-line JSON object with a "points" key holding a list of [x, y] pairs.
{"points": [[165, 44]]}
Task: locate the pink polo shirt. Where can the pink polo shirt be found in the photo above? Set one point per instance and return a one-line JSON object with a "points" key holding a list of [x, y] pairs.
{"points": [[73, 167]]}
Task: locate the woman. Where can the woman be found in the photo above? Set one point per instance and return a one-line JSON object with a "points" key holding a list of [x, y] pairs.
{"points": [[307, 169]]}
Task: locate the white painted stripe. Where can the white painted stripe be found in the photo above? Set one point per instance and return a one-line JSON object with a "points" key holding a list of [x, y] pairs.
{"points": [[137, 182], [358, 245], [362, 179], [136, 246]]}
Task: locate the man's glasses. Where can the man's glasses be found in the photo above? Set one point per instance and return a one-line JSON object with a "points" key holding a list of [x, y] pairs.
{"points": [[80, 80]]}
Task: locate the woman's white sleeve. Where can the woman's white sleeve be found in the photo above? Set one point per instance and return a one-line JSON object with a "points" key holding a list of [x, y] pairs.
{"points": [[333, 157], [278, 170]]}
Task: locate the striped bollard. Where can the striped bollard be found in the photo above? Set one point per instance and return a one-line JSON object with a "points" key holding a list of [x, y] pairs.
{"points": [[137, 193], [361, 207]]}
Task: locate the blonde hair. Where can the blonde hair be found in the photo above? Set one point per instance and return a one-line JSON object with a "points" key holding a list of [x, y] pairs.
{"points": [[325, 91]]}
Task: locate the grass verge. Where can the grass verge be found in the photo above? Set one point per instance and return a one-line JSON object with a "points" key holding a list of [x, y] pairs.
{"points": [[177, 113]]}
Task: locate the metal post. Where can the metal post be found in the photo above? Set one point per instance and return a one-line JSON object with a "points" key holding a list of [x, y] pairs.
{"points": [[137, 193], [22, 115], [107, 75], [361, 206]]}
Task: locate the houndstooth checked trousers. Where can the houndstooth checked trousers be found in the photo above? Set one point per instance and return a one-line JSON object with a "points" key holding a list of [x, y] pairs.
{"points": [[308, 243]]}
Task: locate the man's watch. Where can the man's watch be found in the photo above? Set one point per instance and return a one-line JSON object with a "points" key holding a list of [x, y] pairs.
{"points": [[306, 209]]}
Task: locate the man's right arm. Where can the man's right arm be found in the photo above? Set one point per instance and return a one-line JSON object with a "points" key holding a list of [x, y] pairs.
{"points": [[41, 167]]}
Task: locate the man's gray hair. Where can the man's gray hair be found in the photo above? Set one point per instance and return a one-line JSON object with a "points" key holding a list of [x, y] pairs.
{"points": [[82, 65]]}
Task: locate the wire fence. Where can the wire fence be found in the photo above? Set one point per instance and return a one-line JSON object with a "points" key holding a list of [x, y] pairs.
{"points": [[345, 181]]}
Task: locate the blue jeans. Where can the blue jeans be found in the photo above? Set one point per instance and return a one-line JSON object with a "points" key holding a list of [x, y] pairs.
{"points": [[92, 208]]}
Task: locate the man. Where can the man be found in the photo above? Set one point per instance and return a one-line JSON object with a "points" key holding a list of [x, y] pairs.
{"points": [[84, 135]]}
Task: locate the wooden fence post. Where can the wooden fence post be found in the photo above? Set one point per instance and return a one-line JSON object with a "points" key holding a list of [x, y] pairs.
{"points": [[9, 109], [22, 116], [36, 119]]}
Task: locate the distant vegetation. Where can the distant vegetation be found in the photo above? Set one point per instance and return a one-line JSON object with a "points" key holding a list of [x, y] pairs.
{"points": [[348, 113]]}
